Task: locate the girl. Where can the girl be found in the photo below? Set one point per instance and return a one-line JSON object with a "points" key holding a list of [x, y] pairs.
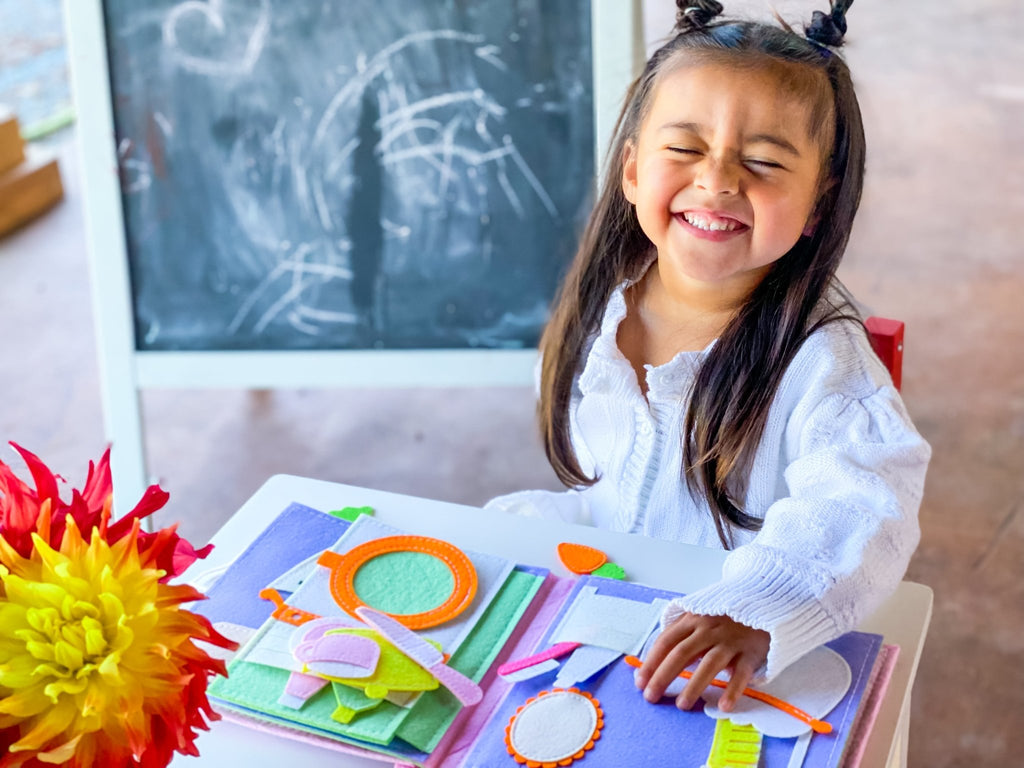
{"points": [[704, 377]]}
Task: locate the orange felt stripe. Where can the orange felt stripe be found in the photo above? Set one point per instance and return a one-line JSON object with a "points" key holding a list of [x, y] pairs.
{"points": [[818, 726], [579, 558]]}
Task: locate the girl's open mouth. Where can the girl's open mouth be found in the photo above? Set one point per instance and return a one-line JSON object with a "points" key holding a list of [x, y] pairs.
{"points": [[709, 226]]}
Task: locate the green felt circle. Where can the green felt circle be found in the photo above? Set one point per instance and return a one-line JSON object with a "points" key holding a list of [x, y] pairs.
{"points": [[404, 582]]}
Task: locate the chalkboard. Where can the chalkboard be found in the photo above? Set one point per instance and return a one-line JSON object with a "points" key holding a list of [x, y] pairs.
{"points": [[282, 193], [349, 174]]}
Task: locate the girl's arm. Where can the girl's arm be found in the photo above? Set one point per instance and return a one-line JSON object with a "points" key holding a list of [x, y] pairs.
{"points": [[832, 550]]}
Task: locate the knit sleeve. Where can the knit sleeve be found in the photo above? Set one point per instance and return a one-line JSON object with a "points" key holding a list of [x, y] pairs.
{"points": [[838, 544]]}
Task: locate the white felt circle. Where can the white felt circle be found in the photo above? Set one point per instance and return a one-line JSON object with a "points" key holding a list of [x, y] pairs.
{"points": [[815, 684], [553, 727]]}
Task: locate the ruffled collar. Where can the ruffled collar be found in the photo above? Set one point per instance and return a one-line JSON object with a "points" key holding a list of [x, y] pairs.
{"points": [[607, 369]]}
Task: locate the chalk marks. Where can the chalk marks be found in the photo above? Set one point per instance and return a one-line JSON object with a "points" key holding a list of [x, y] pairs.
{"points": [[292, 277], [210, 20], [334, 175], [370, 70]]}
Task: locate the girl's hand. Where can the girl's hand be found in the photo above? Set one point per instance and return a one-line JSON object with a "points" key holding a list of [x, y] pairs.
{"points": [[723, 644]]}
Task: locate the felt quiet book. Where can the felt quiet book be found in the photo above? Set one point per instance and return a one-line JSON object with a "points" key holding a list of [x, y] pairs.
{"points": [[364, 639]]}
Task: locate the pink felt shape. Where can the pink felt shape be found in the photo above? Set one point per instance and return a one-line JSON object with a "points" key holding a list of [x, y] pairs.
{"points": [[528, 673], [306, 636], [555, 651], [878, 683], [423, 653], [299, 689], [337, 654]]}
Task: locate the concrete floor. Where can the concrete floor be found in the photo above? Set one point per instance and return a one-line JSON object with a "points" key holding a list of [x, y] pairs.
{"points": [[938, 245]]}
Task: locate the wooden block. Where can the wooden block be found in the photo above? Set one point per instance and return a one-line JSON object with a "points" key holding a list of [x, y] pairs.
{"points": [[29, 189], [12, 150]]}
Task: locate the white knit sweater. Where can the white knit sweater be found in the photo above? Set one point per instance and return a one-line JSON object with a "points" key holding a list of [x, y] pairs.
{"points": [[837, 480]]}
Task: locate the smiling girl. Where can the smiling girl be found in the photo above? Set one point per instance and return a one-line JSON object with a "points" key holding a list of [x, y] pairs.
{"points": [[706, 379]]}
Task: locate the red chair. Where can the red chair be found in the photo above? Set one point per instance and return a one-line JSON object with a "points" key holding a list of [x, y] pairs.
{"points": [[887, 341]]}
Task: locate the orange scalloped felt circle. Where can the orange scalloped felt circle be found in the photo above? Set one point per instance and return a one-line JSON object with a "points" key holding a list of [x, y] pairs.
{"points": [[589, 745], [344, 566]]}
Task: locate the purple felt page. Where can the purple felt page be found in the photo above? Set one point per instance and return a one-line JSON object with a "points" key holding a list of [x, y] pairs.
{"points": [[639, 733], [297, 533]]}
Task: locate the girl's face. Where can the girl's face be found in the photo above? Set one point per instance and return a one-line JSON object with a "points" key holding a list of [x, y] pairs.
{"points": [[724, 175]]}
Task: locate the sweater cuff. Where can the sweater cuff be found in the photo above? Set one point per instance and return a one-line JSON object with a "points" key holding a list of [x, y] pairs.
{"points": [[765, 598]]}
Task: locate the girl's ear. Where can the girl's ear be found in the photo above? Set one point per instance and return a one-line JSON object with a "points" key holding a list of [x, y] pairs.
{"points": [[629, 172]]}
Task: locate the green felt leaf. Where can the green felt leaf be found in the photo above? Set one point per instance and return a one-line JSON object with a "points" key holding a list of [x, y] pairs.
{"points": [[610, 571], [351, 513]]}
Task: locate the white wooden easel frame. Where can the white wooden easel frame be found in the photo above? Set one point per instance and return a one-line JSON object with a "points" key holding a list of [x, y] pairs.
{"points": [[125, 371]]}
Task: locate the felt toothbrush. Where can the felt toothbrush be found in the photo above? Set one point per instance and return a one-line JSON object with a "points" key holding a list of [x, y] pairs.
{"points": [[555, 651]]}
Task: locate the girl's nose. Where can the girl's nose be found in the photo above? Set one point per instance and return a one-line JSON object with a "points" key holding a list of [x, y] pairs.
{"points": [[717, 177]]}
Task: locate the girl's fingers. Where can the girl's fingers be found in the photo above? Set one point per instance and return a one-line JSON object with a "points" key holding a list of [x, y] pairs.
{"points": [[675, 661], [663, 645], [713, 662], [742, 674]]}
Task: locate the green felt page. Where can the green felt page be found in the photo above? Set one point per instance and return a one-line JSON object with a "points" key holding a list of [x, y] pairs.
{"points": [[256, 687], [435, 710]]}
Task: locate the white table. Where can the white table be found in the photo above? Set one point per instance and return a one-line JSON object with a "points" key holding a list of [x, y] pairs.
{"points": [[902, 620]]}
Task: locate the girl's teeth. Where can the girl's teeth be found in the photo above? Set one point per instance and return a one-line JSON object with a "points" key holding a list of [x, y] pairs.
{"points": [[726, 225]]}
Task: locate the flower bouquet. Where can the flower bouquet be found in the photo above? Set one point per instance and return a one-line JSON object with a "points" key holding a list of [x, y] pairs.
{"points": [[98, 660]]}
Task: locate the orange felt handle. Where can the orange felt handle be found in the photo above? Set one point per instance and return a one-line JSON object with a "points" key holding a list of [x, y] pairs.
{"points": [[818, 726]]}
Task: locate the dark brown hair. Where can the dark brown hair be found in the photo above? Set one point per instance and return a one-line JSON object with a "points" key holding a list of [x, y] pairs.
{"points": [[737, 381]]}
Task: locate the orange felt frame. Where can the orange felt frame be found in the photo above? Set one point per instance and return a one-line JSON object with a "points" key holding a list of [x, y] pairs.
{"points": [[344, 567]]}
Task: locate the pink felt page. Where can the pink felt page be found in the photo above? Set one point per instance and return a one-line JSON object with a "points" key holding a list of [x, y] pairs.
{"points": [[878, 683], [308, 738], [462, 734]]}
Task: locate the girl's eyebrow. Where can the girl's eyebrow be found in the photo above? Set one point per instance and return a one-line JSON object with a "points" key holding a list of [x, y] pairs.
{"points": [[775, 141], [757, 138]]}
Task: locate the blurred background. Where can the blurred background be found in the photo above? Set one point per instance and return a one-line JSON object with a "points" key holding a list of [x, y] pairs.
{"points": [[939, 244]]}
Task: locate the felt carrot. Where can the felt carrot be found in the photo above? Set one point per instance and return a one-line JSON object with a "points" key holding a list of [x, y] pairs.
{"points": [[580, 558]]}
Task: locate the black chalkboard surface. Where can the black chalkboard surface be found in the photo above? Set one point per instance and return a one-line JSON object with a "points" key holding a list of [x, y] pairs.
{"points": [[349, 174]]}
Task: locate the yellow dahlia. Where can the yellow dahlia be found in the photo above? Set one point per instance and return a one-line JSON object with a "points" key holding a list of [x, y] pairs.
{"points": [[98, 665]]}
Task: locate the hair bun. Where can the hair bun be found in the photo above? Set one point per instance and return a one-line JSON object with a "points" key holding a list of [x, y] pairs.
{"points": [[695, 14], [829, 29]]}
